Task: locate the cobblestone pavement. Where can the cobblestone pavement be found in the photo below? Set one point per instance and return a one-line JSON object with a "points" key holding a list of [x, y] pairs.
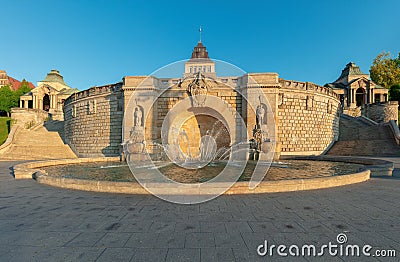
{"points": [[42, 223]]}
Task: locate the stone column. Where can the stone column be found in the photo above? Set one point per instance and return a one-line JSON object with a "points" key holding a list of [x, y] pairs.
{"points": [[366, 100], [20, 103], [351, 96], [372, 96], [26, 103], [55, 101]]}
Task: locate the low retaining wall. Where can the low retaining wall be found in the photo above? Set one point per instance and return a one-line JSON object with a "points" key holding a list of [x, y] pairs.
{"points": [[28, 117], [14, 130], [376, 167], [28, 170], [395, 130], [381, 112], [237, 188]]}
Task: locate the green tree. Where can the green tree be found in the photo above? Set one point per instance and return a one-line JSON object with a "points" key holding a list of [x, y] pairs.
{"points": [[385, 71], [6, 99], [23, 89], [394, 93], [9, 98]]}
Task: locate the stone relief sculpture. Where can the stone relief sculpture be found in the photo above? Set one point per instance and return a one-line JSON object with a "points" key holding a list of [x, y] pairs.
{"points": [[198, 89]]}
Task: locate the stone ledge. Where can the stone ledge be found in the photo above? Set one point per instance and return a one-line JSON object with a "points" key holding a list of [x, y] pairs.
{"points": [[27, 170], [30, 170], [378, 167]]}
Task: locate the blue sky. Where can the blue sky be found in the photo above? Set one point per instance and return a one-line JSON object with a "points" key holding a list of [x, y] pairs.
{"points": [[99, 42]]}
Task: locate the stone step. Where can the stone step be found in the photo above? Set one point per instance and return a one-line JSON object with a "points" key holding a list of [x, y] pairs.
{"points": [[357, 137], [42, 143]]}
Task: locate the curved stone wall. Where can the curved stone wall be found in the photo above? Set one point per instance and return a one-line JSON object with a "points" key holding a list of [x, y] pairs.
{"points": [[308, 118], [93, 121], [306, 115]]}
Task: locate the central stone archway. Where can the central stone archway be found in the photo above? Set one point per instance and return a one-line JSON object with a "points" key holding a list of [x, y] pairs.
{"points": [[199, 126], [360, 96], [46, 102], [184, 116]]}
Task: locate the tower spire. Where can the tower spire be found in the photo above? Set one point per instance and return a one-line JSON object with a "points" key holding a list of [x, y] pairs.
{"points": [[200, 30]]}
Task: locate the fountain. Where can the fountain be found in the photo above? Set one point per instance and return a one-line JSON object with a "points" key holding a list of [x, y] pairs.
{"points": [[201, 148]]}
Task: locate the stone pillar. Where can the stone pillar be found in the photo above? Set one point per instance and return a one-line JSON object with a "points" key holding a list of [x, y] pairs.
{"points": [[372, 96], [55, 105], [26, 103], [366, 100], [20, 103]]}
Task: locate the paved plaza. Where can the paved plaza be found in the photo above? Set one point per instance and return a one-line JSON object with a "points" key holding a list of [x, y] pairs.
{"points": [[42, 223]]}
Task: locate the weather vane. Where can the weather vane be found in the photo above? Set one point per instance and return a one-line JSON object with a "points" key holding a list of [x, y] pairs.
{"points": [[200, 30]]}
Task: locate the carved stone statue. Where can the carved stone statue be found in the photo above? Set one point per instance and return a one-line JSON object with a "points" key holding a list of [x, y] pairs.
{"points": [[260, 115], [138, 116], [258, 139]]}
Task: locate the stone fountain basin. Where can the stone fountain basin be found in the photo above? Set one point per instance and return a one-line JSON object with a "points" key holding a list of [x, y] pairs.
{"points": [[374, 167]]}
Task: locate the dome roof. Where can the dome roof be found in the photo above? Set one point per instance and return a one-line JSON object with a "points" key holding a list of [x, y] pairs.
{"points": [[54, 76]]}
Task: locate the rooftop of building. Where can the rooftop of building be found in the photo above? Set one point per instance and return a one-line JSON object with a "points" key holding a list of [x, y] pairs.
{"points": [[15, 84], [54, 76]]}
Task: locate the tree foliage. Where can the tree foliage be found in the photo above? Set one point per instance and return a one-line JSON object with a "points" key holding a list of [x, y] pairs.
{"points": [[385, 71], [6, 99], [23, 89], [394, 93], [10, 98]]}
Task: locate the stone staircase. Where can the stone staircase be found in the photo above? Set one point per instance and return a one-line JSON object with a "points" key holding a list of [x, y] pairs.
{"points": [[359, 137], [42, 142]]}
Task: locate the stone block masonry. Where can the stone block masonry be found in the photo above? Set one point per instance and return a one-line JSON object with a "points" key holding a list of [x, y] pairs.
{"points": [[93, 121], [306, 115], [308, 118]]}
